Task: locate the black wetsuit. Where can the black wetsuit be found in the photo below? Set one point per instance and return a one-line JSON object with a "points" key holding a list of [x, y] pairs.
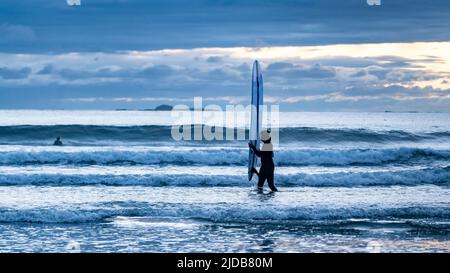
{"points": [[267, 168], [58, 143]]}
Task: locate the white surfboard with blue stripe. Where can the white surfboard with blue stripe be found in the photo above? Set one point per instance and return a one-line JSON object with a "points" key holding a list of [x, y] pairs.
{"points": [[256, 115]]}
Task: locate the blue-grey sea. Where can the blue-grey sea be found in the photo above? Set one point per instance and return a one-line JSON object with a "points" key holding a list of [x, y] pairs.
{"points": [[349, 182]]}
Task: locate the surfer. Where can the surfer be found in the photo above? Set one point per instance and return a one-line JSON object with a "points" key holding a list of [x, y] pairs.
{"points": [[58, 142], [267, 166]]}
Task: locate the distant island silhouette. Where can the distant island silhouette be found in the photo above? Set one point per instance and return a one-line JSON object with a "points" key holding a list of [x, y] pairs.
{"points": [[162, 107]]}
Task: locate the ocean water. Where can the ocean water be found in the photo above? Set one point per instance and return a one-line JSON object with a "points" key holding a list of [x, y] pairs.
{"points": [[349, 182]]}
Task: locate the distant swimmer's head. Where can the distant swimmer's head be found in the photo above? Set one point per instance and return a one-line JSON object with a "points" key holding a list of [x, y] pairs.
{"points": [[265, 136]]}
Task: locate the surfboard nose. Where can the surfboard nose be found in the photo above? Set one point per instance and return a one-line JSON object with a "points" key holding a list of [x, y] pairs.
{"points": [[256, 66]]}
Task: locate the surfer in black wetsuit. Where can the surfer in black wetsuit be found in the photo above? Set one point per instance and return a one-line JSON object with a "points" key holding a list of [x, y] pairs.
{"points": [[267, 166], [58, 142]]}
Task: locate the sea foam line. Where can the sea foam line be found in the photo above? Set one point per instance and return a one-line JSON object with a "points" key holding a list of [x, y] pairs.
{"points": [[222, 156], [408, 177], [220, 213]]}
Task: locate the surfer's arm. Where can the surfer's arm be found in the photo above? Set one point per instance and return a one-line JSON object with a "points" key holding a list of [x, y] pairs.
{"points": [[256, 151]]}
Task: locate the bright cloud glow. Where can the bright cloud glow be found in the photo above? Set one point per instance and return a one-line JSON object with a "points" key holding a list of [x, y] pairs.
{"points": [[293, 75]]}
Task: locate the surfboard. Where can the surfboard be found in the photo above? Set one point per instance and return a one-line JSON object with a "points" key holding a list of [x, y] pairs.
{"points": [[255, 115]]}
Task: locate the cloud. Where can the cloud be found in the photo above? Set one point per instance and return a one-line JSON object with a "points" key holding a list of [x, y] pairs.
{"points": [[359, 73], [337, 77], [214, 59], [159, 72], [378, 72], [46, 70], [13, 73], [117, 25], [315, 71], [279, 66], [289, 70], [156, 71]]}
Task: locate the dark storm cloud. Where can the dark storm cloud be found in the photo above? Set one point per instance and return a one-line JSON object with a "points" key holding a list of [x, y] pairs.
{"points": [[108, 25]]}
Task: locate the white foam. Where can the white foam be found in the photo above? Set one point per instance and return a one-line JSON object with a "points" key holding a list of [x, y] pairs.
{"points": [[224, 214], [214, 156], [221, 176], [96, 203]]}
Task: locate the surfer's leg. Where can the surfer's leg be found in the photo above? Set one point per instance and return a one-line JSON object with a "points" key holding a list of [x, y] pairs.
{"points": [[261, 179], [270, 181]]}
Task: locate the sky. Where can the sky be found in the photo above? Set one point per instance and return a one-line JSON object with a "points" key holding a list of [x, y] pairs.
{"points": [[316, 55]]}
